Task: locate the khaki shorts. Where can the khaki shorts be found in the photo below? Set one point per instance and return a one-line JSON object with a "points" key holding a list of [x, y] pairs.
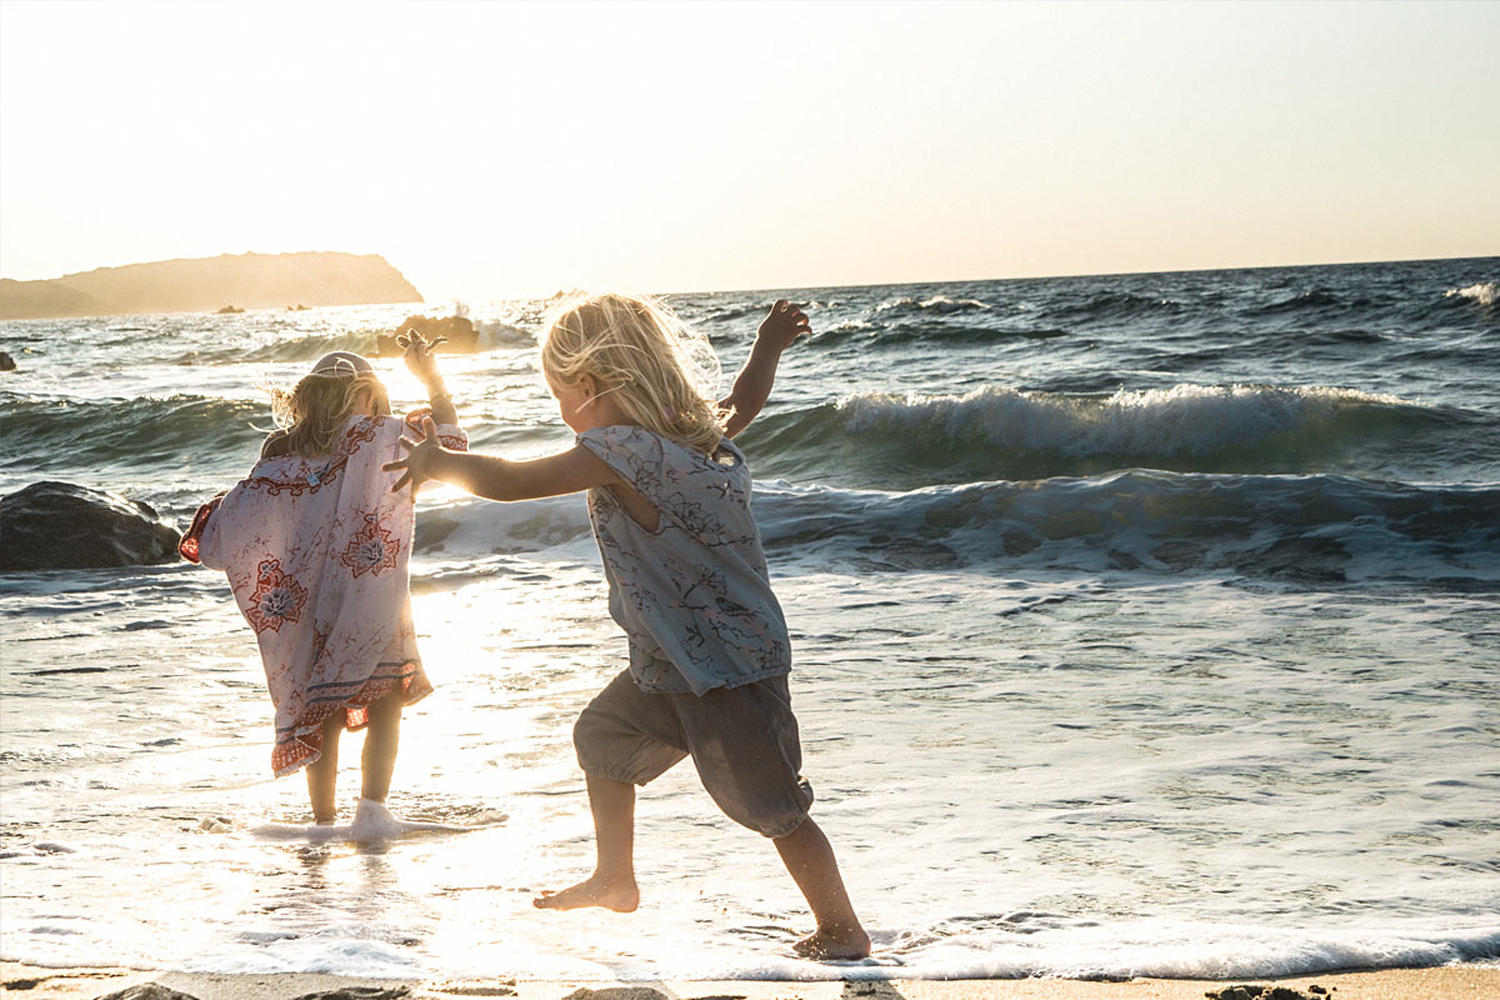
{"points": [[743, 741]]}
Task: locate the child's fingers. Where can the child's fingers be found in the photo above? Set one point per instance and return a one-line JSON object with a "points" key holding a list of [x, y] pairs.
{"points": [[407, 443], [395, 466], [405, 478], [429, 426]]}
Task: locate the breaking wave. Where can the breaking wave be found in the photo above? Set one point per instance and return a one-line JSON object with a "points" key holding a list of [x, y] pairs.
{"points": [[994, 433], [1307, 530], [1485, 293]]}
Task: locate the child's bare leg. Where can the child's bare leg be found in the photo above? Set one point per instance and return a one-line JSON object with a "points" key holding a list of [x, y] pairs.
{"points": [[809, 857], [382, 740], [613, 883], [323, 773]]}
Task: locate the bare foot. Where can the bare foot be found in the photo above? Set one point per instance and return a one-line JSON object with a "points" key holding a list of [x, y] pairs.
{"points": [[828, 945], [622, 896]]}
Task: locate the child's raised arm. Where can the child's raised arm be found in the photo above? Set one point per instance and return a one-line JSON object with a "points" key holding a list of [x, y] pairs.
{"points": [[421, 362], [496, 478], [752, 386]]}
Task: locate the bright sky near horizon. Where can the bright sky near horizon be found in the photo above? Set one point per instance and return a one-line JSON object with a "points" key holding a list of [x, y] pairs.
{"points": [[512, 149]]}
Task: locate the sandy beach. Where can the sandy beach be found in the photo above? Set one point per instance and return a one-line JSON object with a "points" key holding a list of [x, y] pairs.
{"points": [[1453, 982]]}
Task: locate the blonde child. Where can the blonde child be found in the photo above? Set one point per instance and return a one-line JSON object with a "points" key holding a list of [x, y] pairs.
{"points": [[669, 500], [315, 545]]}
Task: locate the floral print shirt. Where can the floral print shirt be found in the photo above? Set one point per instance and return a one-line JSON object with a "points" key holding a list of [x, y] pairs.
{"points": [[693, 596], [316, 554]]}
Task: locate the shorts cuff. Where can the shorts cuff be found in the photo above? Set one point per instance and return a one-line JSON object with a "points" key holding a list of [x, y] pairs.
{"points": [[784, 829]]}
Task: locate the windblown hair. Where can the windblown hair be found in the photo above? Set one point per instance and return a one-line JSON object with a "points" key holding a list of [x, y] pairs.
{"points": [[313, 413], [663, 374]]}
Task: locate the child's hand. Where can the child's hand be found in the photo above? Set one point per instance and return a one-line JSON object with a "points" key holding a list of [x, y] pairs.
{"points": [[419, 464], [784, 324], [420, 360]]}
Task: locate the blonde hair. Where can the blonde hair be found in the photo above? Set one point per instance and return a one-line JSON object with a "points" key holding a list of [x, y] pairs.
{"points": [[663, 374], [316, 409]]}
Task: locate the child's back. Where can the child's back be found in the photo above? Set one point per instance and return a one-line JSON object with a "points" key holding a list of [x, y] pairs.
{"points": [[692, 590]]}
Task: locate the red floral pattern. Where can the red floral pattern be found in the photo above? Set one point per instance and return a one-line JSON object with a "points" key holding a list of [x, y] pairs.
{"points": [[278, 598], [372, 548], [316, 555]]}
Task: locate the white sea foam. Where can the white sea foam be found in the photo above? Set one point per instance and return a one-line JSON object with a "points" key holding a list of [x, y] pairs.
{"points": [[494, 333], [1486, 293], [1185, 418]]}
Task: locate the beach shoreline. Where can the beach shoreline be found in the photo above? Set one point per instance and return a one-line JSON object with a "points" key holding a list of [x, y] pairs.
{"points": [[1447, 982]]}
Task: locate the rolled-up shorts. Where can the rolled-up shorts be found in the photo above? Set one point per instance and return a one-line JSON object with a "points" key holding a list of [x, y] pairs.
{"points": [[743, 741]]}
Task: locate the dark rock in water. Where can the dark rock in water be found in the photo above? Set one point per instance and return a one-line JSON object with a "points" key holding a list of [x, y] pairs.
{"points": [[463, 338], [618, 993], [149, 991], [360, 993], [52, 525], [7, 363], [1244, 992], [230, 311]]}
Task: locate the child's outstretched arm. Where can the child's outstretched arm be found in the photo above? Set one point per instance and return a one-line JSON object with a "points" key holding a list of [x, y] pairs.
{"points": [[496, 478], [752, 386]]}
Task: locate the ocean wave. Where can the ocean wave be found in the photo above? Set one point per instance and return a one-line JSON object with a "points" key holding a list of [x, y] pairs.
{"points": [[1117, 306], [143, 433], [939, 304], [1185, 418], [1485, 293], [1297, 529], [1314, 300], [1300, 530], [881, 335], [994, 433], [307, 347]]}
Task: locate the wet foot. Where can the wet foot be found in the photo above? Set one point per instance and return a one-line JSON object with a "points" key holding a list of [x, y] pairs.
{"points": [[834, 945], [620, 896]]}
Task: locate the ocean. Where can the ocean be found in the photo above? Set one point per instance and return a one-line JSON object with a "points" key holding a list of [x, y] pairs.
{"points": [[1143, 625]]}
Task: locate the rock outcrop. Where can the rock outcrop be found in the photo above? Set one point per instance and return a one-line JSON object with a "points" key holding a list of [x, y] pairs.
{"points": [[462, 336], [250, 281], [53, 525]]}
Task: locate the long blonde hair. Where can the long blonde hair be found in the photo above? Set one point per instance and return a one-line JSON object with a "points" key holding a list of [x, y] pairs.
{"points": [[661, 372], [314, 412]]}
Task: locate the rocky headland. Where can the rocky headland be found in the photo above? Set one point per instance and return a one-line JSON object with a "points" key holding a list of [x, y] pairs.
{"points": [[248, 281]]}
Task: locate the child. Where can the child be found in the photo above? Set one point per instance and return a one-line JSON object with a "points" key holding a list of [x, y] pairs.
{"points": [[315, 544], [669, 499]]}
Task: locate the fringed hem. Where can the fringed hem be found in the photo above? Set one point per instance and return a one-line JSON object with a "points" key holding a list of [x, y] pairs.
{"points": [[305, 744]]}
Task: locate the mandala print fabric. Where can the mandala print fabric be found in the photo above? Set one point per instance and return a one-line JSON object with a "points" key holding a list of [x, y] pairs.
{"points": [[316, 553]]}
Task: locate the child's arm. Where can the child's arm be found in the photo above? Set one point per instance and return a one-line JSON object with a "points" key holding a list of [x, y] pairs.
{"points": [[752, 386], [496, 478], [422, 363]]}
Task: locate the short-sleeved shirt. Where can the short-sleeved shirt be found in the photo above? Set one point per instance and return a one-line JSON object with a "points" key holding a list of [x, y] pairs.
{"points": [[693, 596]]}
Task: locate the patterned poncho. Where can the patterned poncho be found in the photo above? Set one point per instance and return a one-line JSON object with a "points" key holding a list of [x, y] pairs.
{"points": [[316, 553]]}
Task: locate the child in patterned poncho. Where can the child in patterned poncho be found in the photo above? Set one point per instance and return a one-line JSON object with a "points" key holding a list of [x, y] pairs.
{"points": [[315, 545], [669, 499]]}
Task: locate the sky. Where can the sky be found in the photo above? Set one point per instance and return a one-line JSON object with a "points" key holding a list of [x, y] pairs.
{"points": [[492, 150]]}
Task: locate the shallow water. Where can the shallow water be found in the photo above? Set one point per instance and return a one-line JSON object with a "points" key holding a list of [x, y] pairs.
{"points": [[1129, 645]]}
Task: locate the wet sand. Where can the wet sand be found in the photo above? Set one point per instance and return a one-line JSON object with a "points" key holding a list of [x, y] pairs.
{"points": [[1453, 982]]}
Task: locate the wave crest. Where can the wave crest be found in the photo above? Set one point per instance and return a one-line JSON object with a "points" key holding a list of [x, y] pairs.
{"points": [[1185, 418], [1485, 293]]}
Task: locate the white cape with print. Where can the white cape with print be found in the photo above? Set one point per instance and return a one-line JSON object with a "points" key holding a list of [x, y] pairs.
{"points": [[316, 553]]}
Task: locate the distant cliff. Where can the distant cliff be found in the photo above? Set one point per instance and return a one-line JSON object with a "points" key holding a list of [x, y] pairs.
{"points": [[250, 281]]}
